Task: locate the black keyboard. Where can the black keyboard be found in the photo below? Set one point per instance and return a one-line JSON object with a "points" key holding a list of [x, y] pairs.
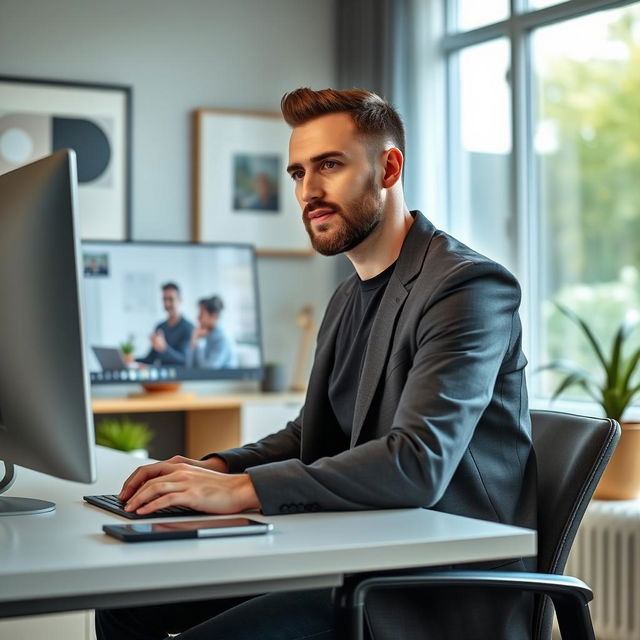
{"points": [[114, 504]]}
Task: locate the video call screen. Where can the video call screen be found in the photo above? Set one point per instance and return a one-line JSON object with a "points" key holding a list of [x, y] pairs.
{"points": [[163, 312]]}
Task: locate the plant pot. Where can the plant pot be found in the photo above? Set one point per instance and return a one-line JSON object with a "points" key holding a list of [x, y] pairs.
{"points": [[621, 478], [139, 453], [128, 359]]}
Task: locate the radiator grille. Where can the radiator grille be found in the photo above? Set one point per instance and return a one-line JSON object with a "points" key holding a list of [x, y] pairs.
{"points": [[606, 555]]}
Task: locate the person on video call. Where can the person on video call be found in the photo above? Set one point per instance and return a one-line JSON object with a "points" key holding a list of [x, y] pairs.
{"points": [[416, 398], [210, 347], [171, 338], [265, 196]]}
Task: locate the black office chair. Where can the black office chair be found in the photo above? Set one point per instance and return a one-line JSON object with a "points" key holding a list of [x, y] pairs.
{"points": [[572, 452]]}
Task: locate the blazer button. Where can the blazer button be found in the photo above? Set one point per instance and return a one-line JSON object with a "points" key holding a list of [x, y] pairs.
{"points": [[284, 508]]}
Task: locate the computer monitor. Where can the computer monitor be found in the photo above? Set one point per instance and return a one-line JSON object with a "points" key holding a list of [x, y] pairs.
{"points": [[45, 412], [159, 313]]}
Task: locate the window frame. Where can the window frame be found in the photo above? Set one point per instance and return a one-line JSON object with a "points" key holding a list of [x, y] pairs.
{"points": [[523, 222]]}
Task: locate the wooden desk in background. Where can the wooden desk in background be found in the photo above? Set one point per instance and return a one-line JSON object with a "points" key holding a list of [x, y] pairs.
{"points": [[213, 422]]}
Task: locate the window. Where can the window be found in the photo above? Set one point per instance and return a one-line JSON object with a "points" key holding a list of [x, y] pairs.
{"points": [[480, 189], [544, 160], [470, 14]]}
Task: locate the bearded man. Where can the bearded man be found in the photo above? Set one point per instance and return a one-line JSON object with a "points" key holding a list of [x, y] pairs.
{"points": [[416, 398]]}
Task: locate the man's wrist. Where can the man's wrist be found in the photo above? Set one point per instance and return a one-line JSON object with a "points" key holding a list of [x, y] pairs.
{"points": [[216, 463], [247, 495]]}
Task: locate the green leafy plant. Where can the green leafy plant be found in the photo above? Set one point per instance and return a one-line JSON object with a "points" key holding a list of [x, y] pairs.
{"points": [[614, 389], [128, 346], [124, 435]]}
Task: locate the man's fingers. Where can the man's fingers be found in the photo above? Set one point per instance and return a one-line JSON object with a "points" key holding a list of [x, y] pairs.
{"points": [[130, 484], [153, 490], [142, 475], [161, 502]]}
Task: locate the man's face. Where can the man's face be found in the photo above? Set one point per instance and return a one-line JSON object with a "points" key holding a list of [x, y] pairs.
{"points": [[335, 183], [171, 301]]}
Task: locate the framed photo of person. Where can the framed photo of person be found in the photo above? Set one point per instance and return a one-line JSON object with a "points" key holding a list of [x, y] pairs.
{"points": [[241, 190], [38, 117]]}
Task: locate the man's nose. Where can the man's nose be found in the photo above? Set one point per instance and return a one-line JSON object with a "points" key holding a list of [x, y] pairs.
{"points": [[311, 188]]}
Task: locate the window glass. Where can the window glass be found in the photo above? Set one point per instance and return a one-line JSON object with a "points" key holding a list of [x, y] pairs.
{"points": [[540, 4], [472, 14], [587, 150], [480, 191]]}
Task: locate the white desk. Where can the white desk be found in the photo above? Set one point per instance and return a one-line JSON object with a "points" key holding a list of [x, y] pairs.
{"points": [[62, 561]]}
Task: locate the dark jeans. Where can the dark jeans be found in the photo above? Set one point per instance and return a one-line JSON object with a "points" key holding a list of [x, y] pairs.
{"points": [[277, 616]]}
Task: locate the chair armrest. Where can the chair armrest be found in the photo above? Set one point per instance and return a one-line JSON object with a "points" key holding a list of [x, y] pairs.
{"points": [[570, 596]]}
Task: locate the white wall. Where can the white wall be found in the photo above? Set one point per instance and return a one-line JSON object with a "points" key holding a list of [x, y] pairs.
{"points": [[240, 54]]}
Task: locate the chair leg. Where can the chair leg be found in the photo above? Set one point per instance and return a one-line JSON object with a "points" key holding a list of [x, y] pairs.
{"points": [[348, 603], [574, 618]]}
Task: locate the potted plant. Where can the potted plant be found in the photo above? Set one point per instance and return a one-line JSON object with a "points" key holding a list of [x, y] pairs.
{"points": [[614, 388], [124, 435], [127, 348]]}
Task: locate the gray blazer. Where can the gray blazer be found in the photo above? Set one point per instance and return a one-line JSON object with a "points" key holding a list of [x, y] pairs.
{"points": [[441, 417], [441, 420]]}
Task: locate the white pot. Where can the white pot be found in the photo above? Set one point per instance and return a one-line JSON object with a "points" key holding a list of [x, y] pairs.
{"points": [[139, 453]]}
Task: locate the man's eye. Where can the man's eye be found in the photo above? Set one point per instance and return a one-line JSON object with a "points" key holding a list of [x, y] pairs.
{"points": [[296, 175], [330, 164]]}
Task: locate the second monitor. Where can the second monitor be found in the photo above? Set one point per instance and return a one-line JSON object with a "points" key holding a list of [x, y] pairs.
{"points": [[167, 312]]}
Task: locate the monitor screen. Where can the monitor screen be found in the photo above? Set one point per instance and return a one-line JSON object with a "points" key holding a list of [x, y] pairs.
{"points": [[167, 312], [45, 405]]}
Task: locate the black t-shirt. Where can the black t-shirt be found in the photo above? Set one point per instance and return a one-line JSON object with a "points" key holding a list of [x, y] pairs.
{"points": [[351, 346]]}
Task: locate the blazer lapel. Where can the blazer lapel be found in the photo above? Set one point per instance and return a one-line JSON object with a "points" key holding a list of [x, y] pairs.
{"points": [[409, 264]]}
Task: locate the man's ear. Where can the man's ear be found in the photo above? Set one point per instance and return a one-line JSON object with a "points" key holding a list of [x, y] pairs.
{"points": [[393, 163]]}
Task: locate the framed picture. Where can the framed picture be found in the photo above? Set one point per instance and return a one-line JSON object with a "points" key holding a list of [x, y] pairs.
{"points": [[242, 192], [38, 117]]}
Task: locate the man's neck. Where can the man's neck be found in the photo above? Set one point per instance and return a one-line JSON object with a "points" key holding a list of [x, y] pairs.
{"points": [[173, 320], [382, 248]]}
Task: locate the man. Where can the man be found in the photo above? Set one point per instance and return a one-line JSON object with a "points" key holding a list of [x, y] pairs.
{"points": [[170, 339], [416, 398], [210, 347]]}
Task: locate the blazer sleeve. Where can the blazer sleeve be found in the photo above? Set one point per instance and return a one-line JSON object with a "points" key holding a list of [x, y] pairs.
{"points": [[462, 336], [283, 445]]}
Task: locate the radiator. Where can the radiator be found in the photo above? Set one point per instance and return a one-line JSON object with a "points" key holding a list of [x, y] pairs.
{"points": [[606, 555]]}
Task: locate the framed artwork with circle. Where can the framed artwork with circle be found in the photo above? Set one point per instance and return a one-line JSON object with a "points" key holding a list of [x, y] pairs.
{"points": [[38, 117]]}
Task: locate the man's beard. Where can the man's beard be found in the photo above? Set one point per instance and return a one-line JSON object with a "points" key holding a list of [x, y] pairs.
{"points": [[349, 228]]}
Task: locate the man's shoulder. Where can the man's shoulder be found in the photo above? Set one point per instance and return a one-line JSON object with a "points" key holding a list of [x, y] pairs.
{"points": [[449, 256], [447, 264]]}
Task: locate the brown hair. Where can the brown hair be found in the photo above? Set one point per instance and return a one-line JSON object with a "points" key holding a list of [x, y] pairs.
{"points": [[373, 116]]}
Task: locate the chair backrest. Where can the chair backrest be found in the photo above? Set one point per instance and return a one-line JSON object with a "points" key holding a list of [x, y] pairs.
{"points": [[571, 454]]}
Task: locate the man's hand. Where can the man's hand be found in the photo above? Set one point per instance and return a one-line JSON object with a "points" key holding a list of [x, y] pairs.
{"points": [[196, 334], [142, 474], [188, 483], [158, 341]]}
